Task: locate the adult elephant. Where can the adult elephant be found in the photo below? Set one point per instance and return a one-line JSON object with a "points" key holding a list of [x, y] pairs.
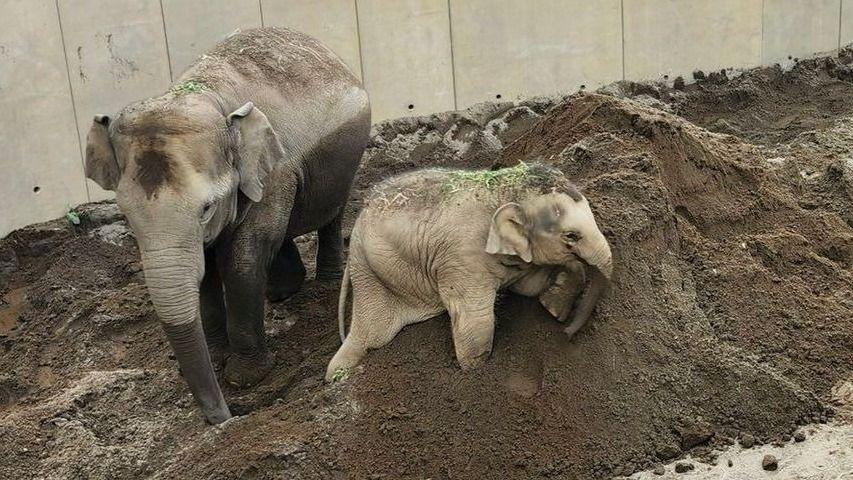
{"points": [[255, 144]]}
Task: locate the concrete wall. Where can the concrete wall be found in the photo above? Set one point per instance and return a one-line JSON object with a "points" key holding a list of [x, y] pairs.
{"points": [[63, 61]]}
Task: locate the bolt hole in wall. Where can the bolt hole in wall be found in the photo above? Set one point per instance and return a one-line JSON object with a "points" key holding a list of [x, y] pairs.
{"points": [[498, 96], [36, 189], [411, 106]]}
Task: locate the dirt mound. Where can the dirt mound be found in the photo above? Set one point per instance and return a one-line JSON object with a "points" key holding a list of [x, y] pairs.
{"points": [[714, 259], [731, 314], [765, 105]]}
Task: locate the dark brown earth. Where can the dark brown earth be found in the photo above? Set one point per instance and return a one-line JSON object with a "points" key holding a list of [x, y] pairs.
{"points": [[731, 314]]}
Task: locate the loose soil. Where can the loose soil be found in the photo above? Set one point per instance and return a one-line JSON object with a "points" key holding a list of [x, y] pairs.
{"points": [[729, 207]]}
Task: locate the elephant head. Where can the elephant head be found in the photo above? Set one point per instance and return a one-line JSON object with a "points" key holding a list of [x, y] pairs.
{"points": [[183, 172], [556, 229]]}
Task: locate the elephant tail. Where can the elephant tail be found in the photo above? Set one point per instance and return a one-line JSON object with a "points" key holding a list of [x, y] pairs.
{"points": [[342, 303]]}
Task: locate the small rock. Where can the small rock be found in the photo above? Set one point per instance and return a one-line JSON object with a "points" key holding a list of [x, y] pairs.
{"points": [[8, 260], [659, 470], [682, 467], [747, 441], [133, 267], [678, 84], [694, 435], [667, 452], [769, 463], [799, 436]]}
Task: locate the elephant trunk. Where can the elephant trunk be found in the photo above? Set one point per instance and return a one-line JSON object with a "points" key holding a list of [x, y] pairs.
{"points": [[173, 276], [599, 259]]}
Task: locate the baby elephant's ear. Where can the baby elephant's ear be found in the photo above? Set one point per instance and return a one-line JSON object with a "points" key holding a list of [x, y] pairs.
{"points": [[507, 233]]}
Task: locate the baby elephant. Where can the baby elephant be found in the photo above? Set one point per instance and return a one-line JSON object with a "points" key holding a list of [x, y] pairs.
{"points": [[440, 240]]}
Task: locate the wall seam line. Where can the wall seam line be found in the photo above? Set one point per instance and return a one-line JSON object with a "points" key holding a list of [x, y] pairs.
{"points": [[622, 20], [452, 56], [840, 13], [73, 102], [358, 37], [166, 39], [261, 12]]}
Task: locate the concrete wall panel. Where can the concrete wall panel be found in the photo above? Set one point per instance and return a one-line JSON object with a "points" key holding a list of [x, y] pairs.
{"points": [[39, 151], [799, 28], [194, 26], [333, 22], [116, 54], [846, 36], [405, 46], [511, 48], [676, 37]]}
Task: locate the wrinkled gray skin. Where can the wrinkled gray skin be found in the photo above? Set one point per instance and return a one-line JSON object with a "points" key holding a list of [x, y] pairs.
{"points": [[417, 251], [255, 144]]}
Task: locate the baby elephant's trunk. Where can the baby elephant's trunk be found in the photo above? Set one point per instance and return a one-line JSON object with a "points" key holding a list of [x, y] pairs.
{"points": [[599, 269]]}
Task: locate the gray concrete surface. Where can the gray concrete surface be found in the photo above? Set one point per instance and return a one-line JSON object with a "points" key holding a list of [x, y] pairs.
{"points": [[845, 35], [798, 28], [673, 37], [39, 150], [192, 26], [512, 48], [406, 56], [76, 58]]}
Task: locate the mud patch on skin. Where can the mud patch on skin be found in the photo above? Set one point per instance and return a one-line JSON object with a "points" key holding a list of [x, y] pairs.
{"points": [[154, 170]]}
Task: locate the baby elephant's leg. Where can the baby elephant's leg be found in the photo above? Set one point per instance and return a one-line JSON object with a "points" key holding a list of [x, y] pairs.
{"points": [[375, 322], [472, 318]]}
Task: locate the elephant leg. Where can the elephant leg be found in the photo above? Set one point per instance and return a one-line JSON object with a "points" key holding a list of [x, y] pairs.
{"points": [[329, 249], [244, 276], [472, 319], [286, 274], [212, 306], [376, 320]]}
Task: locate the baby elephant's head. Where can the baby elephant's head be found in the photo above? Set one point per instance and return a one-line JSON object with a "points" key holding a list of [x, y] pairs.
{"points": [[550, 229], [556, 229]]}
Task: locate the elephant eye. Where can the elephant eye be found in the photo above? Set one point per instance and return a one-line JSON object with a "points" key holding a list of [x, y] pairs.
{"points": [[571, 238], [207, 212]]}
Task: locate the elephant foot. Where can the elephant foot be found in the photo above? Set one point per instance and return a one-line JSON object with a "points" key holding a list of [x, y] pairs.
{"points": [[572, 329], [280, 293], [218, 355], [329, 274], [470, 362], [242, 372], [347, 357]]}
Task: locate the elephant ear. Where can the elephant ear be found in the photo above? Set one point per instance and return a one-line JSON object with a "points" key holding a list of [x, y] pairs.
{"points": [[101, 164], [258, 149], [507, 233]]}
